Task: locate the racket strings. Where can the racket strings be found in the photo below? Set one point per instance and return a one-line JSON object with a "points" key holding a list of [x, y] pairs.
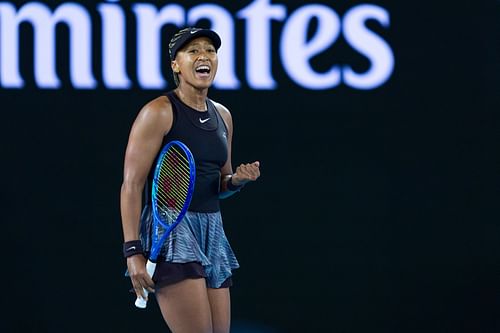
{"points": [[166, 175], [173, 181]]}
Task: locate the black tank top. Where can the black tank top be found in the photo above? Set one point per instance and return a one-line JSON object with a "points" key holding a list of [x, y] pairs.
{"points": [[205, 134]]}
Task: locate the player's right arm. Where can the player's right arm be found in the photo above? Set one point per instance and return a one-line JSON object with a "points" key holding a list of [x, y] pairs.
{"points": [[146, 136]]}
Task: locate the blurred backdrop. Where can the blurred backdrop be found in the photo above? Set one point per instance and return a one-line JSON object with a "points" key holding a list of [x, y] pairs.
{"points": [[376, 124]]}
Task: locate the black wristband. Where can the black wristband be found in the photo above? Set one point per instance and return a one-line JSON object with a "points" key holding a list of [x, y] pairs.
{"points": [[132, 248], [231, 187]]}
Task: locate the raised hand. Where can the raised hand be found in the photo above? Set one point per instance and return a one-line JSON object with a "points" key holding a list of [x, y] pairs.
{"points": [[246, 173]]}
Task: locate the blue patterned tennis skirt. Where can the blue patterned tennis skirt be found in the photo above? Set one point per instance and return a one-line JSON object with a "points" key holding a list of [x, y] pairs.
{"points": [[199, 237]]}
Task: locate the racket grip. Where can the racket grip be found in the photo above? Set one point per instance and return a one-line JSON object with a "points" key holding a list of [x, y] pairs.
{"points": [[140, 302]]}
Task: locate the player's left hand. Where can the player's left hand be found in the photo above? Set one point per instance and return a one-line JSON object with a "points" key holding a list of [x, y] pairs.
{"points": [[246, 173]]}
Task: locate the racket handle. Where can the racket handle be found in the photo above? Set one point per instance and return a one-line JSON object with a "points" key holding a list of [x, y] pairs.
{"points": [[141, 302]]}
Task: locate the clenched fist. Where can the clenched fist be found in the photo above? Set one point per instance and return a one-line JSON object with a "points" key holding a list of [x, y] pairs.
{"points": [[246, 173]]}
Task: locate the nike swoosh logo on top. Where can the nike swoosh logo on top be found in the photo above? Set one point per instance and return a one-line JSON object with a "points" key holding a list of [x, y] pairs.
{"points": [[204, 120], [131, 248]]}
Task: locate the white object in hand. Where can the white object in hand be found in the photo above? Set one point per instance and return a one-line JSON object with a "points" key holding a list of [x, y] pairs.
{"points": [[141, 302]]}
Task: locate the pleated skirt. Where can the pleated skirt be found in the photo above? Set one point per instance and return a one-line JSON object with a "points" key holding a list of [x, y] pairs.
{"points": [[199, 238]]}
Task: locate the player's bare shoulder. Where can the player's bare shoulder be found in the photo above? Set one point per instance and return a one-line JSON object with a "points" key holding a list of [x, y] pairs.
{"points": [[157, 114], [158, 108]]}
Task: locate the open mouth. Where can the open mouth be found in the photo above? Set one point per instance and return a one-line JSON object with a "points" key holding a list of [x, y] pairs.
{"points": [[203, 70]]}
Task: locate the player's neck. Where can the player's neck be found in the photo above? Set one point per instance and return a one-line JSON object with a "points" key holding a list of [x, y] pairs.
{"points": [[193, 97]]}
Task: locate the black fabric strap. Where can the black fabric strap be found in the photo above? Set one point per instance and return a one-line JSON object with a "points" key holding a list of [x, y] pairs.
{"points": [[132, 248]]}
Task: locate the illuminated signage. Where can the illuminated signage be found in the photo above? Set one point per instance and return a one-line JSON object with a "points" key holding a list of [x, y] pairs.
{"points": [[296, 48]]}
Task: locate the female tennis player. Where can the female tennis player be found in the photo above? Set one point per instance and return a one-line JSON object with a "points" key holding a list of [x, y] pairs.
{"points": [[193, 274]]}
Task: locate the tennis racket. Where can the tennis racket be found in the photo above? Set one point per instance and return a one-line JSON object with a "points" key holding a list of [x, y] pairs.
{"points": [[173, 186]]}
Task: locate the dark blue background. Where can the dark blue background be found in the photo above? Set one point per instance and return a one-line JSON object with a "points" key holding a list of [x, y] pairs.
{"points": [[377, 211]]}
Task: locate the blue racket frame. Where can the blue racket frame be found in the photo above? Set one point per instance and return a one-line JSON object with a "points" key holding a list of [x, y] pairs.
{"points": [[156, 245]]}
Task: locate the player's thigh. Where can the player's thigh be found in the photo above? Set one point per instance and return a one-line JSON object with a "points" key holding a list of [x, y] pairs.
{"points": [[220, 307], [185, 306]]}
